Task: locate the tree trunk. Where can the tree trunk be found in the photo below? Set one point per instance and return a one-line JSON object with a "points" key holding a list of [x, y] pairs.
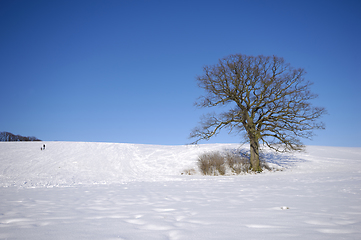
{"points": [[254, 148]]}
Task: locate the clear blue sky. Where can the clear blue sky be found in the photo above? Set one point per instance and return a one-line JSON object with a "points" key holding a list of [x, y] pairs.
{"points": [[124, 71]]}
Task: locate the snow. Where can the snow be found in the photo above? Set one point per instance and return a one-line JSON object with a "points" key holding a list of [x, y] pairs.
{"points": [[76, 190]]}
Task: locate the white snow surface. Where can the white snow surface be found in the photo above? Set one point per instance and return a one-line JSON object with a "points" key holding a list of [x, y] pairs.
{"points": [[79, 190]]}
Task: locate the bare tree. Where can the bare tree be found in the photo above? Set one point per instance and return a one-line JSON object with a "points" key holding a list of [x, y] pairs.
{"points": [[268, 101]]}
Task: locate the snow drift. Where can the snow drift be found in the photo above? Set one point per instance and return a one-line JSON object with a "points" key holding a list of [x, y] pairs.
{"points": [[110, 191]]}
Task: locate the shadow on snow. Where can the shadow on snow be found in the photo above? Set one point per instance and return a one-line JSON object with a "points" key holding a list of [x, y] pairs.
{"points": [[284, 160]]}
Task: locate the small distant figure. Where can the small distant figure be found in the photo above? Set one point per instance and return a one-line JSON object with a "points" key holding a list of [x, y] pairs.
{"points": [[42, 148]]}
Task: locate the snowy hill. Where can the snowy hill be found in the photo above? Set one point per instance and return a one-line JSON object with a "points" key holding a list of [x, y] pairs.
{"points": [[72, 163], [75, 190]]}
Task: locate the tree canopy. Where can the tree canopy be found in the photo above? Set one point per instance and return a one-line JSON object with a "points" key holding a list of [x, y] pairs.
{"points": [[266, 100]]}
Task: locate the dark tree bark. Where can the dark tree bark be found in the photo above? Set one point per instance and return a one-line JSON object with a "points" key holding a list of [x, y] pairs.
{"points": [[267, 100]]}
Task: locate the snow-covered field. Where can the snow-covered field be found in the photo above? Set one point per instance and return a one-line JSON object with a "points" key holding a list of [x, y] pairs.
{"points": [[75, 190]]}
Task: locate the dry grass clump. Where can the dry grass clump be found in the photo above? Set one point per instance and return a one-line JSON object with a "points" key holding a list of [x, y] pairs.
{"points": [[237, 163], [216, 163], [189, 171], [212, 164], [264, 165]]}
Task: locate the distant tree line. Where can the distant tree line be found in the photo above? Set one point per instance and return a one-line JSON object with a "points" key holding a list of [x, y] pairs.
{"points": [[9, 137]]}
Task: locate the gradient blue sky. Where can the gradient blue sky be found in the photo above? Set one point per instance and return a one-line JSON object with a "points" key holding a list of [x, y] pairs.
{"points": [[124, 71]]}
